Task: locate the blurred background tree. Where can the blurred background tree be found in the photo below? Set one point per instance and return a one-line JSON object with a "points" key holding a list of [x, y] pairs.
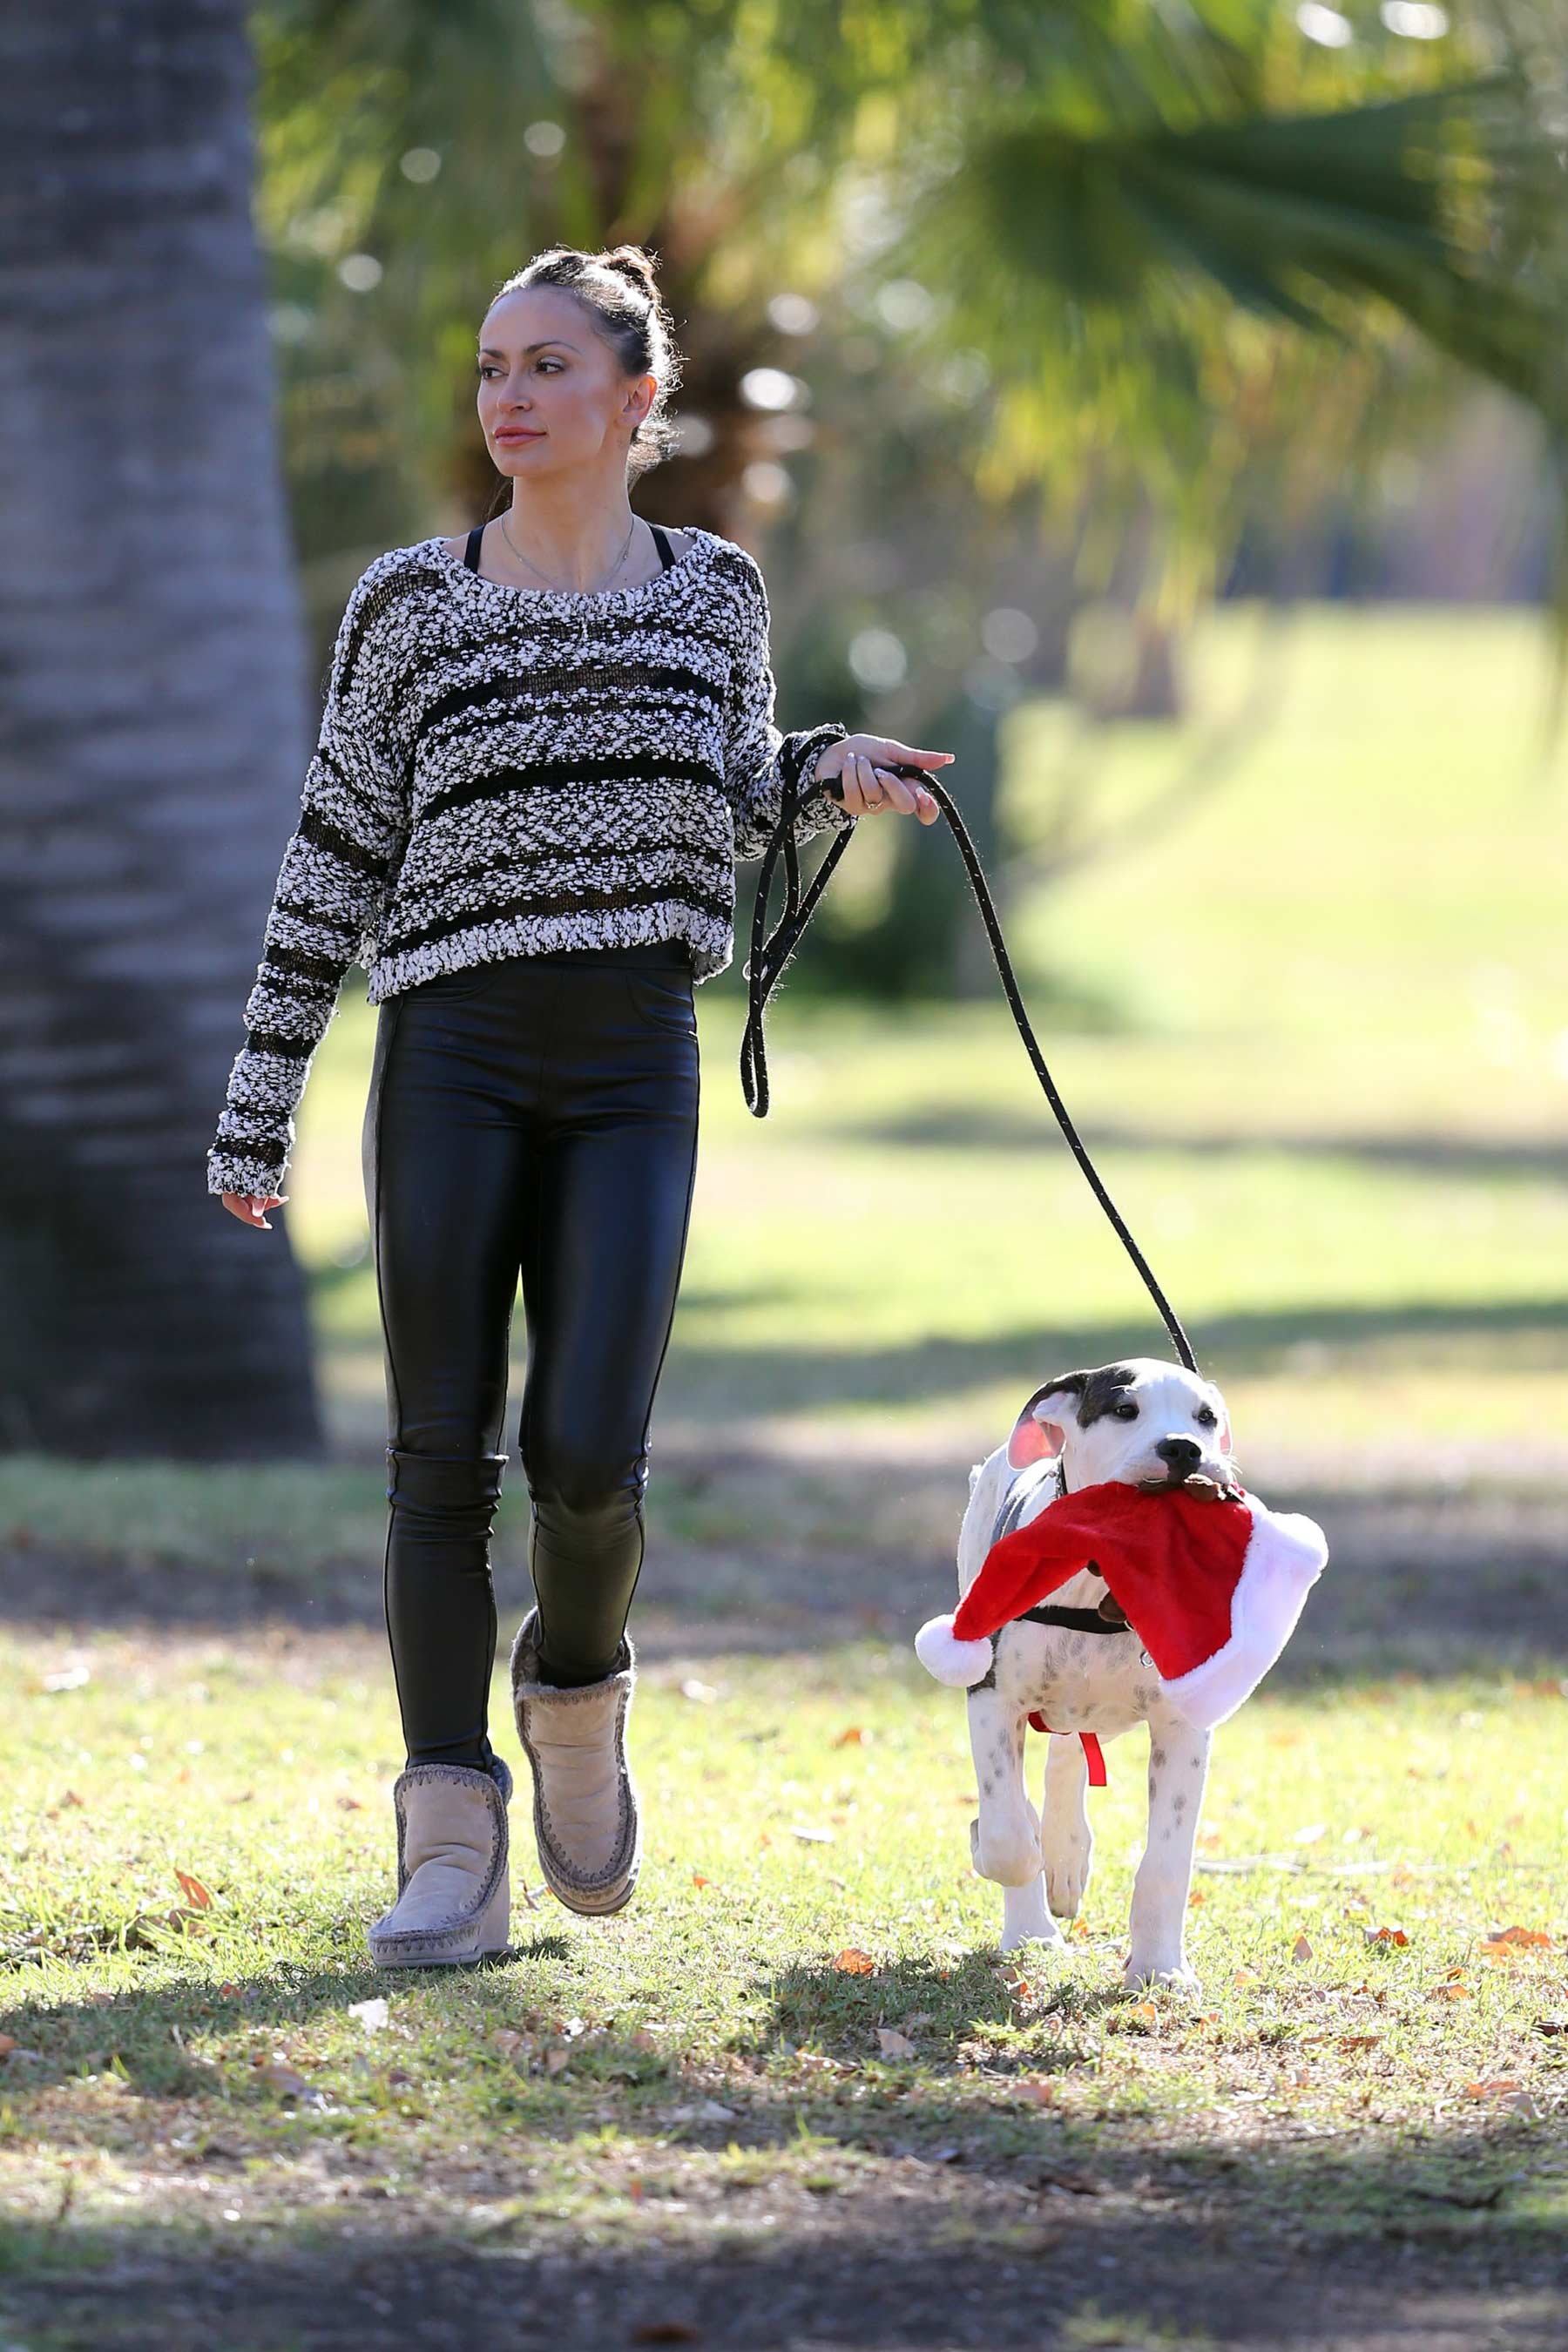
{"points": [[1011, 333]]}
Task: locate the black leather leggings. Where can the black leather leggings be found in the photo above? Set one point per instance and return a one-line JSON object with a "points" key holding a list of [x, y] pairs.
{"points": [[534, 1116]]}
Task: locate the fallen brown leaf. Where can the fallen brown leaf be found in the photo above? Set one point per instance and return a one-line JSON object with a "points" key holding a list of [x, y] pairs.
{"points": [[279, 2077], [853, 1962]]}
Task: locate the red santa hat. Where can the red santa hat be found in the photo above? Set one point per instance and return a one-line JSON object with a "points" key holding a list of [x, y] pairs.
{"points": [[1212, 1586]]}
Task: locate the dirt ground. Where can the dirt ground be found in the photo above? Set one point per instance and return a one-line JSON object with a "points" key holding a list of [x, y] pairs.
{"points": [[1156, 2283]]}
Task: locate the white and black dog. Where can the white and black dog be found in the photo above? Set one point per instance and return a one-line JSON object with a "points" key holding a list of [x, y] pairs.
{"points": [[1148, 1425]]}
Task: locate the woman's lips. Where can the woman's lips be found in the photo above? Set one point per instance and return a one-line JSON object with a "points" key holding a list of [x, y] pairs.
{"points": [[515, 433]]}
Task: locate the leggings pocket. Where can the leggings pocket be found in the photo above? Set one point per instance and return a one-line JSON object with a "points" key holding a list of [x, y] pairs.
{"points": [[661, 996]]}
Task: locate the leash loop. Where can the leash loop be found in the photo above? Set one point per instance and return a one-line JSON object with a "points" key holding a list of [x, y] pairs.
{"points": [[770, 957]]}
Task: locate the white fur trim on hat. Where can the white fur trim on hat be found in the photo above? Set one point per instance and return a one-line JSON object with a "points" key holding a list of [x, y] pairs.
{"points": [[942, 1653], [1286, 1554]]}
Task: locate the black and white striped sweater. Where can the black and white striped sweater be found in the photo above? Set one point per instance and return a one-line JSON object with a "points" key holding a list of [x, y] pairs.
{"points": [[486, 784]]}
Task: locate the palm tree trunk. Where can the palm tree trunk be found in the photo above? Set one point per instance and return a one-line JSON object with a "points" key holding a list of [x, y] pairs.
{"points": [[156, 735]]}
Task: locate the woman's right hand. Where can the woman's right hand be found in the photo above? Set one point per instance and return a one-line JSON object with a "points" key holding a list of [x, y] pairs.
{"points": [[251, 1208]]}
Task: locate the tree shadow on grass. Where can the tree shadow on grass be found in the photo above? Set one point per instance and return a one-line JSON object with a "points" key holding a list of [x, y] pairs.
{"points": [[1047, 2237], [1433, 1153], [1248, 1342], [957, 2215], [145, 2028]]}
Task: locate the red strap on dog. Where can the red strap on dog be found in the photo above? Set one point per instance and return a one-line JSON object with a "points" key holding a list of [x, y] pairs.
{"points": [[1093, 1755]]}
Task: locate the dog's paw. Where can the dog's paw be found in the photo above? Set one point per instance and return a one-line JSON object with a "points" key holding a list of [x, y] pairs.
{"points": [[1151, 1974], [1050, 1936], [1008, 1855], [1026, 1920], [1067, 1876]]}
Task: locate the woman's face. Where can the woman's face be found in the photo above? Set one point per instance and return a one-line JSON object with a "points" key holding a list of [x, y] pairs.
{"points": [[551, 394]]}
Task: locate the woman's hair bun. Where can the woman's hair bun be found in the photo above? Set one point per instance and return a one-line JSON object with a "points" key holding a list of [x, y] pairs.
{"points": [[631, 261]]}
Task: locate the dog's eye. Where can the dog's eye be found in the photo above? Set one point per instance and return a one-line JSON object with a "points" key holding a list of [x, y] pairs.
{"points": [[1128, 1412], [1207, 1416]]}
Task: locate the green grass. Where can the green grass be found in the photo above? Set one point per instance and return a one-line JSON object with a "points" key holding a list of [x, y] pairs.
{"points": [[678, 2065]]}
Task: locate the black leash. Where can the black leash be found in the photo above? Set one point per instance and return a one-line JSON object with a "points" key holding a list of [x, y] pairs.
{"points": [[766, 964]]}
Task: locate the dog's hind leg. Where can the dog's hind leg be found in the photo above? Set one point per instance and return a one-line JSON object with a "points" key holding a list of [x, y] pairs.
{"points": [[1067, 1840]]}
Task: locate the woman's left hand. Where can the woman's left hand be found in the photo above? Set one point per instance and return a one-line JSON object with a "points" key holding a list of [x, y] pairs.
{"points": [[869, 788]]}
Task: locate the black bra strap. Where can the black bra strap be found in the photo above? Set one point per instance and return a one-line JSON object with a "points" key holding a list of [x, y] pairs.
{"points": [[665, 555]]}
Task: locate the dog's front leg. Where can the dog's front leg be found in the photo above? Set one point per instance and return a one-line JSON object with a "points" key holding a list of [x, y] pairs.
{"points": [[1178, 1767], [1005, 1838], [1066, 1840]]}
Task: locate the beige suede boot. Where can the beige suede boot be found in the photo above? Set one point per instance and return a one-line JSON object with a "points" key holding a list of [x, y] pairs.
{"points": [[585, 1805], [454, 1895]]}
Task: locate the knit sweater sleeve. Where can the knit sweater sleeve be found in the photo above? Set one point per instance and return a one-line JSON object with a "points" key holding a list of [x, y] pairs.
{"points": [[759, 758], [337, 873]]}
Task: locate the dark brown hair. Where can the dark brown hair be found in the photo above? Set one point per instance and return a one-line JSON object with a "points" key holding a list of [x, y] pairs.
{"points": [[617, 288]]}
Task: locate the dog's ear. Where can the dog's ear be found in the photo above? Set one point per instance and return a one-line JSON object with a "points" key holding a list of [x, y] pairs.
{"points": [[1037, 1439]]}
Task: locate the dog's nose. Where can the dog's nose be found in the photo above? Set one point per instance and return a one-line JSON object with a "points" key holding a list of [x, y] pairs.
{"points": [[1181, 1453]]}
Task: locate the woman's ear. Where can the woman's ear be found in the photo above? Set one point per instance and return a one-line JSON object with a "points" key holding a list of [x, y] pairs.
{"points": [[1040, 1431]]}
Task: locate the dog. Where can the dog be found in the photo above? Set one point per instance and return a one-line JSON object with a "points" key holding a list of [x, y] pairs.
{"points": [[1149, 1425]]}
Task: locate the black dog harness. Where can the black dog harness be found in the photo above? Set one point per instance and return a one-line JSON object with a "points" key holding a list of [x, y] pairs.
{"points": [[1109, 1618]]}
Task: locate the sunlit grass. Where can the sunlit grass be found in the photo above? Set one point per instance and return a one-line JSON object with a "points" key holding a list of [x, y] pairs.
{"points": [[195, 1835]]}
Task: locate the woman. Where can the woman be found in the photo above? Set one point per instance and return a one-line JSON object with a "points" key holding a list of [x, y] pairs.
{"points": [[543, 749]]}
